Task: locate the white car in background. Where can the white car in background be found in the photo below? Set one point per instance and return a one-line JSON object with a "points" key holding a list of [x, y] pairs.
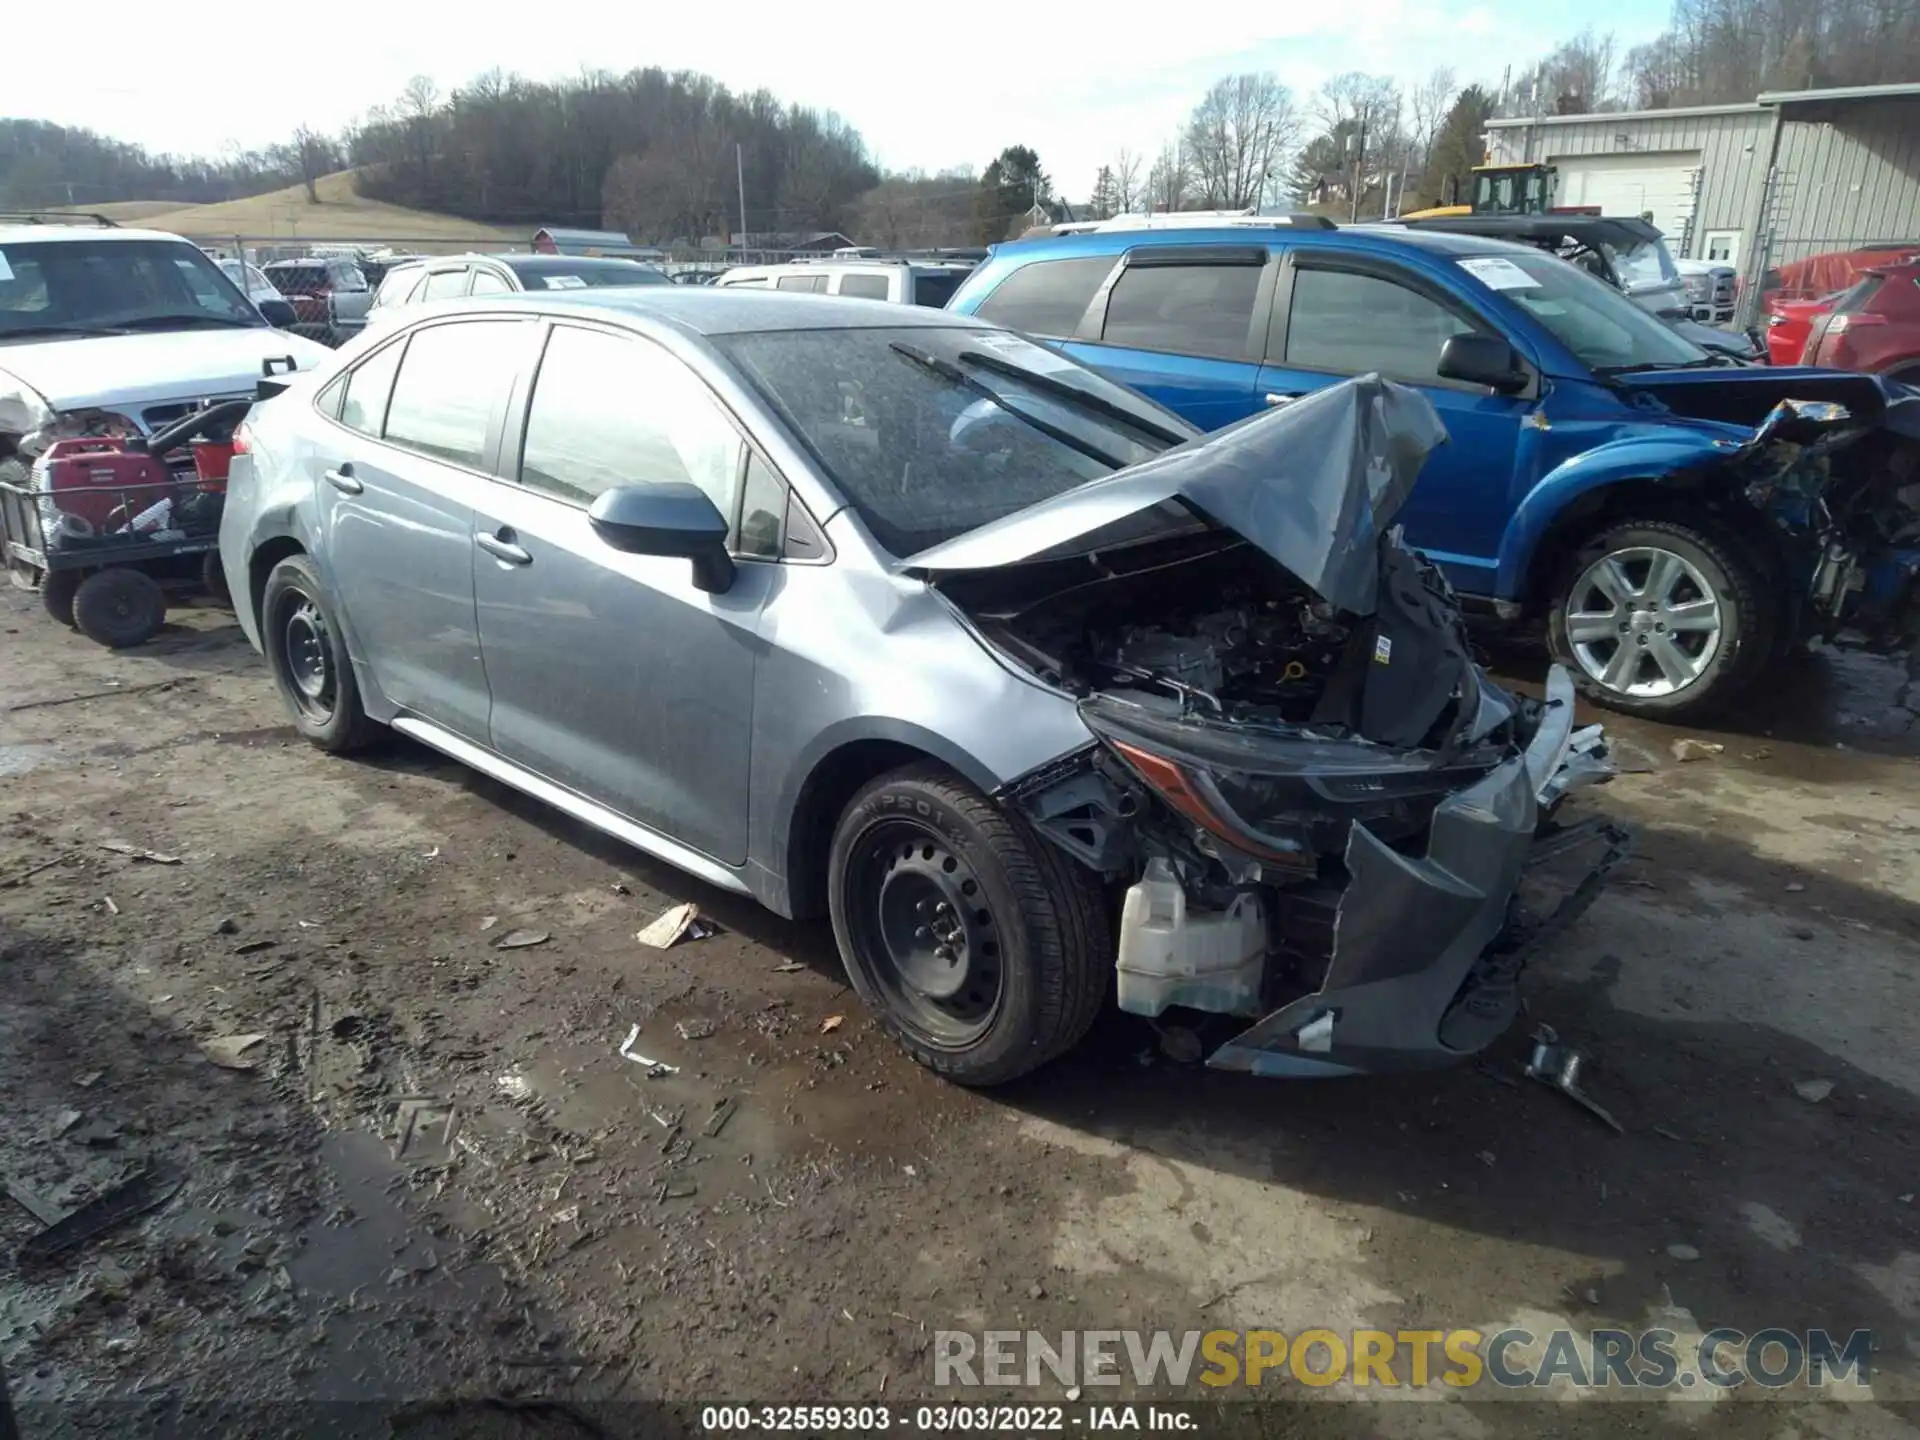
{"points": [[250, 280]]}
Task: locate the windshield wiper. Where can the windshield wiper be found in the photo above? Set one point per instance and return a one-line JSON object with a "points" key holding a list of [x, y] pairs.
{"points": [[947, 370], [1065, 391], [1647, 366], [155, 322], [25, 332]]}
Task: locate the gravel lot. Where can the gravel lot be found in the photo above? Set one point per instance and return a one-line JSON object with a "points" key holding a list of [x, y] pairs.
{"points": [[441, 1181]]}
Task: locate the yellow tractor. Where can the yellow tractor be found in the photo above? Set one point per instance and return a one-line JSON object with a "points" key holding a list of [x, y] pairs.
{"points": [[1501, 190]]}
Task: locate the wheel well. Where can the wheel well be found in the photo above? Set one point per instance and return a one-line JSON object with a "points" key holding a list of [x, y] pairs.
{"points": [[1627, 500], [270, 554], [823, 798]]}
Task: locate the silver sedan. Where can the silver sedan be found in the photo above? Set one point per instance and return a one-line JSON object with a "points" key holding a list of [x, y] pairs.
{"points": [[901, 617]]}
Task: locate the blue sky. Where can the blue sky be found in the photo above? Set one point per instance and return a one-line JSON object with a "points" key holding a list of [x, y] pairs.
{"points": [[925, 86]]}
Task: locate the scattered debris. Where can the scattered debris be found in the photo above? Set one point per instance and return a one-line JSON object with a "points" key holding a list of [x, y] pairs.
{"points": [[1690, 749], [65, 1121], [1036, 1291], [521, 939], [99, 1134], [433, 854], [1665, 1134], [1794, 887], [722, 1112], [652, 1067], [1907, 1199], [229, 1052], [34, 870], [696, 1027], [1813, 1091], [832, 1023], [149, 1189], [682, 921], [1486, 1158], [226, 927], [620, 887], [111, 908], [101, 694], [487, 922], [1683, 1252], [1559, 1066], [514, 1085], [88, 1080], [787, 967], [254, 947], [135, 852], [1762, 753], [1632, 759], [35, 1205]]}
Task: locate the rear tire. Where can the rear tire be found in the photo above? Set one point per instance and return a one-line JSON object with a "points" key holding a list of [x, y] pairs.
{"points": [[57, 589], [213, 579], [982, 949], [1661, 619], [119, 607], [308, 657]]}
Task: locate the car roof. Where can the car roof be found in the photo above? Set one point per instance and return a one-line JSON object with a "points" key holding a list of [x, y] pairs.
{"points": [[1115, 242], [708, 310], [41, 234]]}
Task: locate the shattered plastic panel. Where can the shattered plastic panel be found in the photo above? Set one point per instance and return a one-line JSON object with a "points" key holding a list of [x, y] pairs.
{"points": [[1314, 485]]}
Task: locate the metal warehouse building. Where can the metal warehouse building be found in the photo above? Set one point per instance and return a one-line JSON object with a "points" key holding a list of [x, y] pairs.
{"points": [[1793, 174]]}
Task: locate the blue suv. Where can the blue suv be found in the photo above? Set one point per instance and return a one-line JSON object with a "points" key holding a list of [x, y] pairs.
{"points": [[1672, 524]]}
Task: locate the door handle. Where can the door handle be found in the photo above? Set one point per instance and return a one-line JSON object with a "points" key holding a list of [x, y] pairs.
{"points": [[1275, 399], [341, 479], [500, 545]]}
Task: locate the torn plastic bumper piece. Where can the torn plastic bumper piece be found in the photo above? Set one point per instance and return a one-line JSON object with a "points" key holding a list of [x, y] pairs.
{"points": [[1411, 930]]}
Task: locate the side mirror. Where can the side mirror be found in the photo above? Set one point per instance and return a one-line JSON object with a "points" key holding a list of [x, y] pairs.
{"points": [[1482, 360], [666, 518], [278, 313]]}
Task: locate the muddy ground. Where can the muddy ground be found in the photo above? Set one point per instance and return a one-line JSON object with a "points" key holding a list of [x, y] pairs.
{"points": [[440, 1183]]}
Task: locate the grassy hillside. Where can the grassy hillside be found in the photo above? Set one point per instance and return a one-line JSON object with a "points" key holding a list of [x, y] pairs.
{"points": [[287, 215]]}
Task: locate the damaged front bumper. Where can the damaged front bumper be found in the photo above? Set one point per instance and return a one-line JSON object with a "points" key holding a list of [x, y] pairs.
{"points": [[1425, 958]]}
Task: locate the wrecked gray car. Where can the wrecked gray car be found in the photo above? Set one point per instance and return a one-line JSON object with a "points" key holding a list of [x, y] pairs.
{"points": [[902, 618]]}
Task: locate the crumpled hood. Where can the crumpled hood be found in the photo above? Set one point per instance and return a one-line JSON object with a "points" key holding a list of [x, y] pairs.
{"points": [[112, 372], [1314, 485], [1747, 396]]}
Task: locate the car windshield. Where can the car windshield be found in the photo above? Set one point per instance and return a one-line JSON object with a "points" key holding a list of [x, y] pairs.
{"points": [[94, 285], [585, 274], [929, 432], [1642, 265], [1604, 330]]}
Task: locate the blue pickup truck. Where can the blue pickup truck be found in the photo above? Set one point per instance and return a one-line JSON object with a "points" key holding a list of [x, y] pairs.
{"points": [[1674, 526]]}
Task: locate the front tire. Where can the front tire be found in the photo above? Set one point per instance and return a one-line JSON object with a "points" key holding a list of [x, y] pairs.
{"points": [[308, 658], [1660, 619], [983, 950]]}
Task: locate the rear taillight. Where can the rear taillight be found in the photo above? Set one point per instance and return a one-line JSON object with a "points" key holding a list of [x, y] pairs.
{"points": [[242, 439]]}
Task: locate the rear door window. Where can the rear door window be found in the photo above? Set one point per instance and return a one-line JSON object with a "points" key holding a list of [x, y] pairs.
{"points": [[450, 382], [936, 287], [446, 285], [1184, 309], [368, 386], [485, 282], [814, 283], [866, 287], [1047, 297]]}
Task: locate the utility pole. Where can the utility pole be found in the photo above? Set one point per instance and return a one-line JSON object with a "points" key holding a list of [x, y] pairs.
{"points": [[1356, 171], [740, 174]]}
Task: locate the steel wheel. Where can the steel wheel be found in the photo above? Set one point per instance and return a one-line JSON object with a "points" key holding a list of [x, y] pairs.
{"points": [[1643, 622], [306, 650], [920, 919]]}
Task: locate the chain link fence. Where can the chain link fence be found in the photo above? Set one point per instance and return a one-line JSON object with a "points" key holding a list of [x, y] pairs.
{"points": [[331, 283]]}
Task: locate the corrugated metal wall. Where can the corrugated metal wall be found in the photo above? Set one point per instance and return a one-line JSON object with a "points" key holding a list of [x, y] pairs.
{"points": [[1729, 147], [1850, 182], [1838, 183]]}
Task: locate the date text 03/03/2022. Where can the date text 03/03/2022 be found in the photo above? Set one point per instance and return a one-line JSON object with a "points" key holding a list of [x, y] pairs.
{"points": [[945, 1417]]}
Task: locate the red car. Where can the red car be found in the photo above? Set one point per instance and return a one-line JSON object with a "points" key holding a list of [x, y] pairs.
{"points": [[1873, 326], [1789, 322]]}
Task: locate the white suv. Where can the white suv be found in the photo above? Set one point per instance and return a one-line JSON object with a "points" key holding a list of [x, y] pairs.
{"points": [[105, 331], [903, 281]]}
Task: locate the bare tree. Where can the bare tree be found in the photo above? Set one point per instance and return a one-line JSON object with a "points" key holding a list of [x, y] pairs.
{"points": [[1236, 137], [1427, 107], [1362, 113], [1126, 180], [1168, 179], [315, 155]]}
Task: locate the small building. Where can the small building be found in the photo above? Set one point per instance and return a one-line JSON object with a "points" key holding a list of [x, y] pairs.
{"points": [[552, 240], [1792, 174]]}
